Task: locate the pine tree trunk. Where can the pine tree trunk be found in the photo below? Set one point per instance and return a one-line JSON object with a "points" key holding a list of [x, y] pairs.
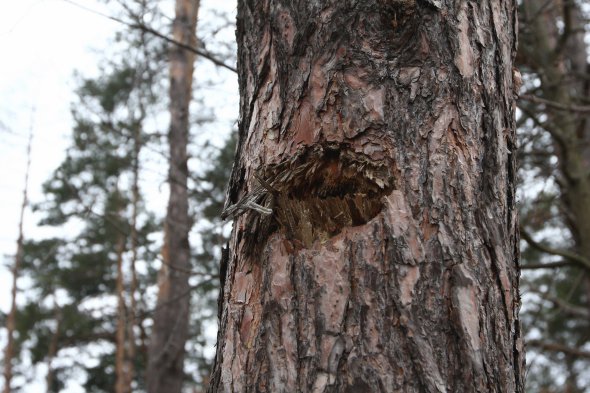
{"points": [[165, 371], [132, 320], [18, 258], [379, 135]]}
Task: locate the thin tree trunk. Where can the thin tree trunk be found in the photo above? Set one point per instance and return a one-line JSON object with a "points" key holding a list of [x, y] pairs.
{"points": [[166, 353], [557, 59], [11, 318], [53, 348], [132, 318], [126, 345], [121, 360], [375, 245]]}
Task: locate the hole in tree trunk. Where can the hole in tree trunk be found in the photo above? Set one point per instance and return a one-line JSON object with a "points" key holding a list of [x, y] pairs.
{"points": [[327, 188]]}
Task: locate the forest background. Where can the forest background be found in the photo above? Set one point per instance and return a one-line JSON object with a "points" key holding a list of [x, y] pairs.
{"points": [[88, 80]]}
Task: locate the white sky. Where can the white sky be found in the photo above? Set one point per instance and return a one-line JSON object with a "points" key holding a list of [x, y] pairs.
{"points": [[43, 42]]}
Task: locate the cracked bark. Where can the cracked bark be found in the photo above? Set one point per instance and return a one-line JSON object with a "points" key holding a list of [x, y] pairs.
{"points": [[389, 262]]}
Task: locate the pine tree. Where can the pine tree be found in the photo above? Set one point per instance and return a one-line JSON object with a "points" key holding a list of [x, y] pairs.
{"points": [[93, 196], [375, 242], [165, 372], [213, 235], [88, 312], [554, 151], [10, 350]]}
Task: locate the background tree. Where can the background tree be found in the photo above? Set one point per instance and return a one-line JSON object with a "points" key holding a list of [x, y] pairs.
{"points": [[208, 195], [375, 244], [9, 350], [124, 137], [78, 343], [77, 277], [165, 372], [554, 142]]}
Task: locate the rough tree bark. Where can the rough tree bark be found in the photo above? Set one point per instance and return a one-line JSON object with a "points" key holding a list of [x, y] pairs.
{"points": [[165, 372], [375, 246]]}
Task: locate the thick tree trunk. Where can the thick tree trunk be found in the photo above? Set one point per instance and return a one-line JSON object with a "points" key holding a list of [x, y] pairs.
{"points": [[166, 354], [381, 136]]}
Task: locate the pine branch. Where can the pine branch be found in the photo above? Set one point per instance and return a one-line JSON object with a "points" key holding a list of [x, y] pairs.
{"points": [[548, 265], [573, 257], [556, 347], [567, 307]]}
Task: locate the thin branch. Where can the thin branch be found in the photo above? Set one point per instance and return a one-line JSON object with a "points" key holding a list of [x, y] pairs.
{"points": [[567, 307], [89, 211], [576, 258], [563, 305], [197, 51], [555, 347], [180, 296], [555, 105], [538, 12], [9, 350], [548, 265], [143, 27], [550, 128], [107, 316]]}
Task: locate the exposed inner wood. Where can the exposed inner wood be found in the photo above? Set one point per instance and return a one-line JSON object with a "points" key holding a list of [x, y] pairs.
{"points": [[326, 189]]}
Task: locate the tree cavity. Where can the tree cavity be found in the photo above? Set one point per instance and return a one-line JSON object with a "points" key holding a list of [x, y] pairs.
{"points": [[325, 189]]}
